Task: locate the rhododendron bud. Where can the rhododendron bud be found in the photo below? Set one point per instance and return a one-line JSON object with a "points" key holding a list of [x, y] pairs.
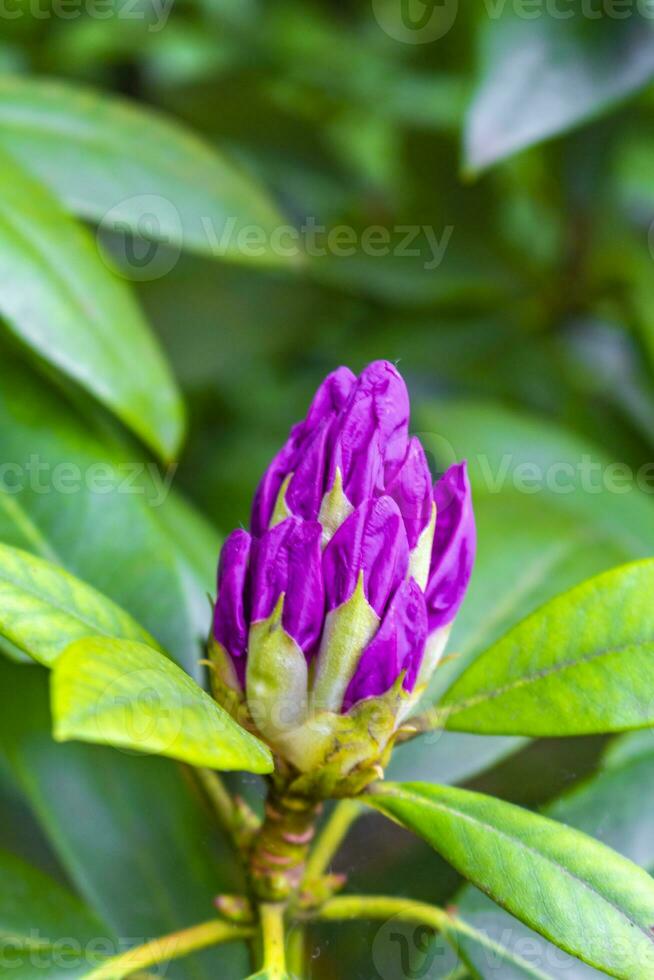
{"points": [[333, 613]]}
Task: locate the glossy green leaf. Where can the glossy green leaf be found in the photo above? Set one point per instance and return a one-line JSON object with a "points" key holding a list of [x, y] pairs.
{"points": [[64, 303], [106, 525], [615, 806], [544, 75], [583, 663], [110, 159], [580, 894], [125, 694], [133, 832], [43, 609]]}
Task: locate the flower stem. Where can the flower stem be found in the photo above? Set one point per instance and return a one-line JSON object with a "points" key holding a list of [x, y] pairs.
{"points": [[383, 907], [408, 910], [341, 819], [272, 932], [169, 947], [279, 852]]}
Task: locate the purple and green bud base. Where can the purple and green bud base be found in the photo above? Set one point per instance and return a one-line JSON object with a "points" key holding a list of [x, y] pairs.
{"points": [[333, 611]]}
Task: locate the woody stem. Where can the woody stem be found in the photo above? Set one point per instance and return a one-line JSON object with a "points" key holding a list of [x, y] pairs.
{"points": [[279, 852]]}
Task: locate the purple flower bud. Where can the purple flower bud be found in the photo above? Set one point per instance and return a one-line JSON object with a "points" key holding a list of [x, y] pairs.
{"points": [[398, 646], [231, 615], [287, 559], [453, 551], [354, 572], [371, 541]]}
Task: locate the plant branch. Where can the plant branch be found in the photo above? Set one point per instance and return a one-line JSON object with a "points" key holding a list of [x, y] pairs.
{"points": [[233, 815], [384, 907], [272, 933], [408, 910], [170, 947], [342, 817]]}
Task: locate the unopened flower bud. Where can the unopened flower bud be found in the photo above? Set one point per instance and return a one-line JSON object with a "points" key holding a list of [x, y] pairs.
{"points": [[333, 613]]}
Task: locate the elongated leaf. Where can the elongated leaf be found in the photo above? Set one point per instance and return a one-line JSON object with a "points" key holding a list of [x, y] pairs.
{"points": [[62, 301], [108, 527], [583, 663], [133, 832], [616, 807], [100, 154], [43, 609], [547, 74], [586, 898], [123, 693]]}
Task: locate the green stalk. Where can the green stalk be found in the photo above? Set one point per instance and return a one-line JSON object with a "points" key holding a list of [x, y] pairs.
{"points": [[170, 947], [271, 917]]}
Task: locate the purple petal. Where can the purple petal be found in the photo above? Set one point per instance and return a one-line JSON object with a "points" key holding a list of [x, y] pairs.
{"points": [[372, 539], [371, 437], [411, 490], [453, 552], [267, 492], [230, 623], [305, 492], [398, 645], [331, 396], [288, 559]]}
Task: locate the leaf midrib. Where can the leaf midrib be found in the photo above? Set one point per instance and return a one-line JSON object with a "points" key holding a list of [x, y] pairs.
{"points": [[455, 707]]}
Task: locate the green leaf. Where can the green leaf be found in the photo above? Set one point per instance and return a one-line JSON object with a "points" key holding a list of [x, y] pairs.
{"points": [[615, 806], [583, 663], [109, 525], [133, 832], [43, 609], [68, 307], [89, 149], [545, 75], [125, 694], [586, 898]]}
